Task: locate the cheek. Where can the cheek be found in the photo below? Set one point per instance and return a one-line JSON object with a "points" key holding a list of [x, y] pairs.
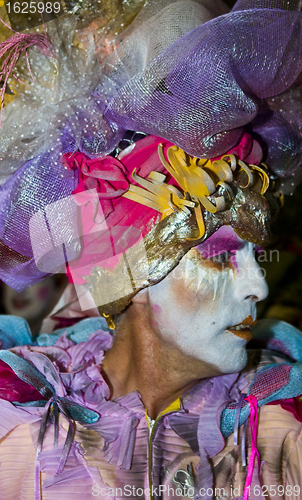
{"points": [[156, 312], [156, 309], [195, 285], [44, 293]]}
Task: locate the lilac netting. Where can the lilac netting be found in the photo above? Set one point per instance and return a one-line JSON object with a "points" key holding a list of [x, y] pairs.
{"points": [[201, 100], [37, 187], [267, 4], [180, 73]]}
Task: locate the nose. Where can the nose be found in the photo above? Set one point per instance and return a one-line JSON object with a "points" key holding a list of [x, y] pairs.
{"points": [[250, 283]]}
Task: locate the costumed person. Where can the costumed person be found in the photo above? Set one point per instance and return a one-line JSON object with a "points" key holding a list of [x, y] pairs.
{"points": [[149, 179], [34, 303]]}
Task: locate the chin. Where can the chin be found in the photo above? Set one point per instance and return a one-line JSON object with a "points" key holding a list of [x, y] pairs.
{"points": [[236, 363], [232, 361]]}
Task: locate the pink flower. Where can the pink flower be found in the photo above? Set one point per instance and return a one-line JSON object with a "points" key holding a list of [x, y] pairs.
{"points": [[105, 174], [111, 223]]}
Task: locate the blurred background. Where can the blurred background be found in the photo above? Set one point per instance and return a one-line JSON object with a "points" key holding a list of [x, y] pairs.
{"points": [[35, 303], [283, 264]]}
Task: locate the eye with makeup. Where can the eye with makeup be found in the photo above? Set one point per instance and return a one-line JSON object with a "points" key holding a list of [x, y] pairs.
{"points": [[224, 259], [222, 252]]}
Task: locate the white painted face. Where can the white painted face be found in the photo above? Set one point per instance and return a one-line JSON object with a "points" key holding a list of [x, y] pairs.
{"points": [[198, 303]]}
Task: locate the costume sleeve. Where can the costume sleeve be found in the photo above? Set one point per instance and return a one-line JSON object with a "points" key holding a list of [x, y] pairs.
{"points": [[293, 472], [279, 442], [17, 464]]}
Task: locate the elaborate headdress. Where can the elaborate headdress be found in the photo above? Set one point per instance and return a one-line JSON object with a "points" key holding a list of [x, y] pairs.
{"points": [[114, 171]]}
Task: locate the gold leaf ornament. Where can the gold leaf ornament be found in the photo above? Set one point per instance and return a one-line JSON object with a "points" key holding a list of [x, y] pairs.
{"points": [[199, 180]]}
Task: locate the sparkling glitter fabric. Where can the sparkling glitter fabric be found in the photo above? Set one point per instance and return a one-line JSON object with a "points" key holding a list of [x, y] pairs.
{"points": [[199, 83]]}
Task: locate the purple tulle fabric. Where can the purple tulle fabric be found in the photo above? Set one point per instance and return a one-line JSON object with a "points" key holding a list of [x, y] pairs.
{"points": [[201, 93], [36, 186], [228, 68]]}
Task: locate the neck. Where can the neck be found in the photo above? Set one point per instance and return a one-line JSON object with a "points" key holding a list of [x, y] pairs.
{"points": [[140, 360]]}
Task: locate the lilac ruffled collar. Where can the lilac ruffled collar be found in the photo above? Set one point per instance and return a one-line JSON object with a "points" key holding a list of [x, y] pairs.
{"points": [[74, 372], [75, 375]]}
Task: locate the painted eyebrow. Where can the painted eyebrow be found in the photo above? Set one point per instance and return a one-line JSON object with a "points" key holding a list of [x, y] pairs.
{"points": [[227, 244]]}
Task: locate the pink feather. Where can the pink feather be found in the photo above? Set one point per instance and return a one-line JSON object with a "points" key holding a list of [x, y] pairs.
{"points": [[12, 48]]}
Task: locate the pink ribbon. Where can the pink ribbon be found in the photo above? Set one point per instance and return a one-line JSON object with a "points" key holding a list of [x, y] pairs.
{"points": [[253, 423], [236, 425]]}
